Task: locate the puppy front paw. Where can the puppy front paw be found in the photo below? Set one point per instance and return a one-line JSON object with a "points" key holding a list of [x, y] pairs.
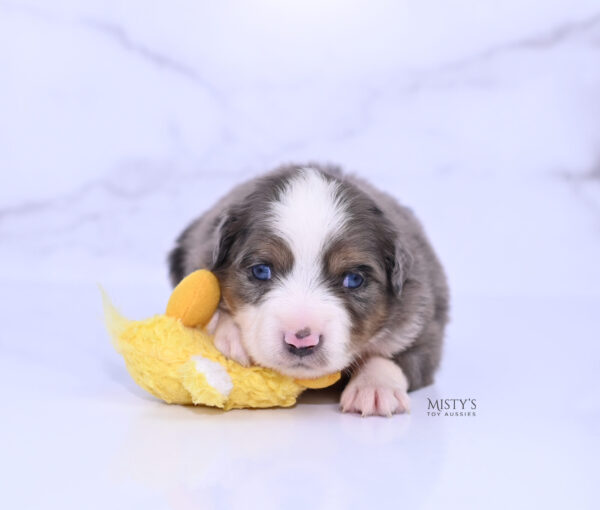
{"points": [[378, 388], [374, 401], [228, 340]]}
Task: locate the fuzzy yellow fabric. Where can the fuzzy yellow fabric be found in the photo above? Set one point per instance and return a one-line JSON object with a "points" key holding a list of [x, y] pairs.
{"points": [[179, 364]]}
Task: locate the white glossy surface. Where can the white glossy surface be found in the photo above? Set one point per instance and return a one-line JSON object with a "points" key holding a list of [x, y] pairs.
{"points": [[120, 122]]}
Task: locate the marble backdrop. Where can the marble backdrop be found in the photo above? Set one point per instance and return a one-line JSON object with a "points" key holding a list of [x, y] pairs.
{"points": [[121, 121]]}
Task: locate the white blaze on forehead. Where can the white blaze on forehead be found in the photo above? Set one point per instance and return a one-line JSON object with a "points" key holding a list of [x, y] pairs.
{"points": [[307, 216]]}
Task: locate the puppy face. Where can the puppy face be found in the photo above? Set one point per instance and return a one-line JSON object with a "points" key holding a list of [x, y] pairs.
{"points": [[308, 271]]}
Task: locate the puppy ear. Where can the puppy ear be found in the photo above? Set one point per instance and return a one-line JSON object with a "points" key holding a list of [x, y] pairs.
{"points": [[180, 258], [398, 266], [177, 264], [229, 230]]}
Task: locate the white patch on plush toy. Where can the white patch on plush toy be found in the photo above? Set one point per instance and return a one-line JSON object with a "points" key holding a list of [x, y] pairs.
{"points": [[215, 374]]}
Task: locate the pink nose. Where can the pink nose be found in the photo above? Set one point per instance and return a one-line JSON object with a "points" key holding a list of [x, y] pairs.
{"points": [[301, 338]]}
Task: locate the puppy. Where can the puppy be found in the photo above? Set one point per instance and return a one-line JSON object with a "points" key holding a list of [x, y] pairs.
{"points": [[321, 272]]}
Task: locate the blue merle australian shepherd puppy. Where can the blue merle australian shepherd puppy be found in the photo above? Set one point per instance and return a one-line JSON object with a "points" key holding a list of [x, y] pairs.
{"points": [[321, 272]]}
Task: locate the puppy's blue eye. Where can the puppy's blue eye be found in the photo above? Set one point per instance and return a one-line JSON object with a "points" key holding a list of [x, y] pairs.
{"points": [[261, 272], [353, 280]]}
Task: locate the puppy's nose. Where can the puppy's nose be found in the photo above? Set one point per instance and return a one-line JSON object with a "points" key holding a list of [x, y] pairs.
{"points": [[303, 339]]}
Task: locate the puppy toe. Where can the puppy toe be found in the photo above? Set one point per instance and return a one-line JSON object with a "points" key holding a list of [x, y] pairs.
{"points": [[347, 400], [375, 401]]}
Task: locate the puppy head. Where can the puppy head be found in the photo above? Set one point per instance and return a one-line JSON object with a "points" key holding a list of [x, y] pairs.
{"points": [[309, 271]]}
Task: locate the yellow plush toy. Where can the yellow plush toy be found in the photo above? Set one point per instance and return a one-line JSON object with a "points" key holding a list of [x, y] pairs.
{"points": [[172, 357]]}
